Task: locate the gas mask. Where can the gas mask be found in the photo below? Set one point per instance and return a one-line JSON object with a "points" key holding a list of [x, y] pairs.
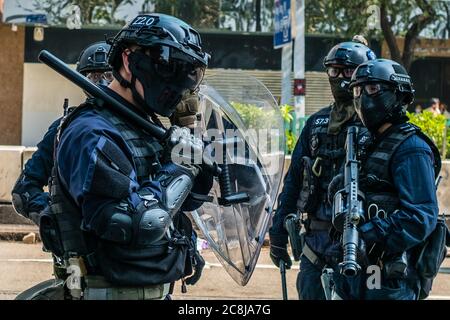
{"points": [[340, 90], [376, 104], [166, 74]]}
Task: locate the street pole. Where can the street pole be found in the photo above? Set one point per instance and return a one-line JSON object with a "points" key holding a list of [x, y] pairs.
{"points": [[299, 61], [286, 67]]}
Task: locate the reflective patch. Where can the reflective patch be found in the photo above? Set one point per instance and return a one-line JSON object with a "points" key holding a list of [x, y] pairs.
{"points": [[321, 121], [144, 20]]}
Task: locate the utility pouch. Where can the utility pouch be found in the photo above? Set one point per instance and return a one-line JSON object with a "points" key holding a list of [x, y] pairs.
{"points": [[430, 256], [50, 234], [308, 198]]}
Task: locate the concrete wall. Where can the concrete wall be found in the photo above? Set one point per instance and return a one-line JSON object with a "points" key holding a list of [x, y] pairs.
{"points": [[11, 79], [10, 169], [43, 95], [444, 189], [44, 92]]}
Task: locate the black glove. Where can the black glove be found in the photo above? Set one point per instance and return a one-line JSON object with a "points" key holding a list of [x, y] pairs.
{"points": [[35, 217], [198, 264], [278, 250]]}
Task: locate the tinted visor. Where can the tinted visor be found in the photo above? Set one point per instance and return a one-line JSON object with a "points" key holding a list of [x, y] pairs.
{"points": [[334, 72], [370, 89], [175, 66], [99, 77]]}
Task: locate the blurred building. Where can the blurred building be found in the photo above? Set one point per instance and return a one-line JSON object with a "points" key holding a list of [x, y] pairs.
{"points": [[35, 93], [430, 71]]}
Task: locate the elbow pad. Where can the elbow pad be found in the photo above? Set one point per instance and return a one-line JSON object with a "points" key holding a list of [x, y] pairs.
{"points": [[176, 183], [118, 227], [144, 226], [151, 221]]}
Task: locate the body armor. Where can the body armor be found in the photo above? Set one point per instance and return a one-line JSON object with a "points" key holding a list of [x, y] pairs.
{"points": [[327, 159], [164, 261], [376, 180]]}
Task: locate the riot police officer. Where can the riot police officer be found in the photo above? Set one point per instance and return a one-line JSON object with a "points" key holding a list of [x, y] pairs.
{"points": [[28, 195], [317, 157], [113, 180], [398, 181]]}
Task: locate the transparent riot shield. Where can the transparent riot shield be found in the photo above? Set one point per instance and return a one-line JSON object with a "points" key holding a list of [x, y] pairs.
{"points": [[243, 132]]}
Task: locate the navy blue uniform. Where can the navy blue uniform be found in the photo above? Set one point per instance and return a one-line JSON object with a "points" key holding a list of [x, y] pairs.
{"points": [[412, 168], [308, 281], [36, 174], [82, 141]]}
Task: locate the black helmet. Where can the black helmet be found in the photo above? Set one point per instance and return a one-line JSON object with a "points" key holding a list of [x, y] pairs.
{"points": [[94, 58], [349, 53], [169, 62], [381, 89]]}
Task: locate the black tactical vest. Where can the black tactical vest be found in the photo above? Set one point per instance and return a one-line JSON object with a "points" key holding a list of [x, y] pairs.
{"points": [[327, 157], [376, 181], [165, 261], [146, 150]]}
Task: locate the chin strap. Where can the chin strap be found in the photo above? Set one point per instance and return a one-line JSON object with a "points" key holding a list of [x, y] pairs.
{"points": [[132, 86], [124, 83]]}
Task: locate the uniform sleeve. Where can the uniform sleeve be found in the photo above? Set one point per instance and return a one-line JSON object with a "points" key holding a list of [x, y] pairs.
{"points": [[40, 165], [287, 201], [415, 219], [96, 168], [37, 172]]}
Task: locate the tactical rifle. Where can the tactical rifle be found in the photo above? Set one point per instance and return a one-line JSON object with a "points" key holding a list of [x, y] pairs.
{"points": [[348, 207]]}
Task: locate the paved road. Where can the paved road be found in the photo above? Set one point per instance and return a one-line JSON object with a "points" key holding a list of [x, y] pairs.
{"points": [[24, 265]]}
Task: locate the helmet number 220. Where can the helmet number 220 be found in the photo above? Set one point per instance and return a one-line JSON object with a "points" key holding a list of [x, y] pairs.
{"points": [[144, 20]]}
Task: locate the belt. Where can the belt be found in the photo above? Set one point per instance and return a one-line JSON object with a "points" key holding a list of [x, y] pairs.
{"points": [[313, 257], [97, 288]]}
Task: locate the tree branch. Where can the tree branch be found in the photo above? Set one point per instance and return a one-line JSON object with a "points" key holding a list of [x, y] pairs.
{"points": [[419, 23], [389, 36]]}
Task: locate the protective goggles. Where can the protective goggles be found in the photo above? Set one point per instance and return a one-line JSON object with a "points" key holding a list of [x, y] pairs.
{"points": [[175, 66], [98, 77], [370, 89], [334, 72]]}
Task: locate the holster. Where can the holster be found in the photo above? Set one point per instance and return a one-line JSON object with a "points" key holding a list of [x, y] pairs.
{"points": [[292, 224]]}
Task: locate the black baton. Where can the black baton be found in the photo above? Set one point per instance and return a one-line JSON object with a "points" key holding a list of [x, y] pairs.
{"points": [[283, 279]]}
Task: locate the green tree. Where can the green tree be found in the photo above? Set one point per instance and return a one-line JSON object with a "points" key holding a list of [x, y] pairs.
{"points": [[247, 15], [92, 11], [199, 13], [405, 18]]}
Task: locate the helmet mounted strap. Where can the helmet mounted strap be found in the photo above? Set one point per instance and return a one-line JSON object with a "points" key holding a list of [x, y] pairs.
{"points": [[124, 83]]}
